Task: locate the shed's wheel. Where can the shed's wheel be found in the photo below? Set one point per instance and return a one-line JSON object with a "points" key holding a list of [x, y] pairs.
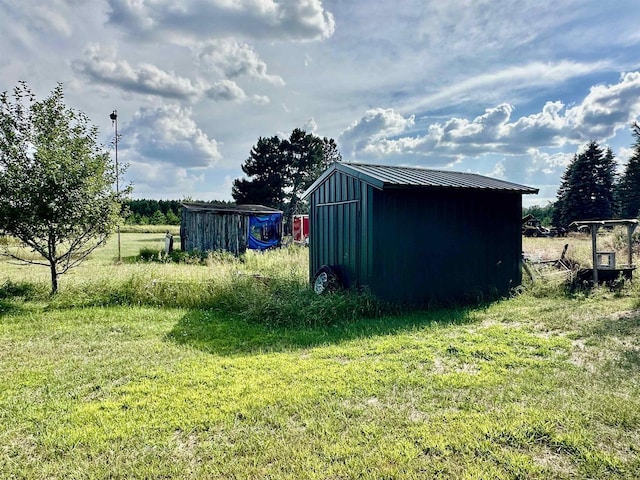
{"points": [[325, 280]]}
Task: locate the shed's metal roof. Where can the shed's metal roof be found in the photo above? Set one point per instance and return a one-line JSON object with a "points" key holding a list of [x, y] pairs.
{"points": [[383, 176], [217, 208]]}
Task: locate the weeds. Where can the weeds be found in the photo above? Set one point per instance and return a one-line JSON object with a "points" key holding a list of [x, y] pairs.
{"points": [[255, 376]]}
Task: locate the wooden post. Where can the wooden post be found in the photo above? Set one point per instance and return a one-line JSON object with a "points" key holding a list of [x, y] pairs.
{"points": [[594, 249], [630, 228]]}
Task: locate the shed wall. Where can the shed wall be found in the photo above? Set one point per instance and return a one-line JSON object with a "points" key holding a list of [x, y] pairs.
{"points": [[208, 231], [336, 236], [443, 245], [417, 245]]}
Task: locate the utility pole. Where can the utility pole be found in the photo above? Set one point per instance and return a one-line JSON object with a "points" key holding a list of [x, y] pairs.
{"points": [[114, 122]]}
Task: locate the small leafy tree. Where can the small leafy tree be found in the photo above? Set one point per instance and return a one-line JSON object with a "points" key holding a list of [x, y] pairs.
{"points": [[172, 218], [56, 181]]}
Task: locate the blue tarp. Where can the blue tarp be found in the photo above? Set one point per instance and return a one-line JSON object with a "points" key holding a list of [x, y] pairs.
{"points": [[264, 231]]}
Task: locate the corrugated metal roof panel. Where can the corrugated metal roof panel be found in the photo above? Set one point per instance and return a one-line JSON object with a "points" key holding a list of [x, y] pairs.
{"points": [[214, 208], [383, 176]]}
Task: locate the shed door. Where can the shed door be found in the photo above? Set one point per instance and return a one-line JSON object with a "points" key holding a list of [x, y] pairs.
{"points": [[340, 242]]}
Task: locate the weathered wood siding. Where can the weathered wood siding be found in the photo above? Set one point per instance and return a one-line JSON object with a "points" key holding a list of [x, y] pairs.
{"points": [[211, 231]]}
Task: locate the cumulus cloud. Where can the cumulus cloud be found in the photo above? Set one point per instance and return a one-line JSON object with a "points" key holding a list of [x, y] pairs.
{"points": [[233, 59], [606, 109], [101, 65], [376, 125], [207, 19], [310, 126], [168, 135]]}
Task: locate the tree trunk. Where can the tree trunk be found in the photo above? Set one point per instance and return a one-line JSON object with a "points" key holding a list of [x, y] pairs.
{"points": [[54, 278]]}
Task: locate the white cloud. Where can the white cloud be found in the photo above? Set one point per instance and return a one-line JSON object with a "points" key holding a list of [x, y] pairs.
{"points": [[226, 90], [101, 65], [50, 18], [148, 178], [512, 78], [233, 59], [606, 109], [310, 126], [376, 124], [168, 135], [202, 19]]}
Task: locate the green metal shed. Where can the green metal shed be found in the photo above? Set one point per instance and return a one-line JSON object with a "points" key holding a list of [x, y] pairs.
{"points": [[413, 235]]}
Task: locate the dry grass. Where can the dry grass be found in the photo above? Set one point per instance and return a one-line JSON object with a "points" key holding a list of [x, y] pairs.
{"points": [[579, 251]]}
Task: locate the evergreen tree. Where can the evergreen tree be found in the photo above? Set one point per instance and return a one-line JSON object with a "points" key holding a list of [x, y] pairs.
{"points": [[629, 186], [280, 171], [587, 188], [158, 218], [172, 218], [268, 170]]}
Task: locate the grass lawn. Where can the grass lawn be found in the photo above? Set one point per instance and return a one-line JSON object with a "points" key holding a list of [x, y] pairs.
{"points": [[101, 385]]}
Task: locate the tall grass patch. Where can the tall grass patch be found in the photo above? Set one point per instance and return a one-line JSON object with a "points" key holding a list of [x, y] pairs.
{"points": [[270, 288]]}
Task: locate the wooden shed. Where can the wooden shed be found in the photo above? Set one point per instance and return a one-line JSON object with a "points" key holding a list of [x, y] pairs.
{"points": [[231, 228], [413, 235]]}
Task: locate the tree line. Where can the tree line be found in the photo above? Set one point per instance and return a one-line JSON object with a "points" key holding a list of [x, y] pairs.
{"points": [[591, 189], [278, 171], [157, 212]]}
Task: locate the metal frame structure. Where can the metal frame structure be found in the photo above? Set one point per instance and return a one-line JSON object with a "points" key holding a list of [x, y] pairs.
{"points": [[594, 225]]}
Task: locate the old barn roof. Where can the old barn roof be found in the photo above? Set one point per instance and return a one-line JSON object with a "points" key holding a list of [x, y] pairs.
{"points": [[384, 176], [217, 208]]}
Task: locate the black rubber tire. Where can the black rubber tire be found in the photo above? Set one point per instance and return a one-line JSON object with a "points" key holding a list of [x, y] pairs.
{"points": [[325, 280]]}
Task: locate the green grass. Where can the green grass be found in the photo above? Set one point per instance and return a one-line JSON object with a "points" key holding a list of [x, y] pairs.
{"points": [[105, 382]]}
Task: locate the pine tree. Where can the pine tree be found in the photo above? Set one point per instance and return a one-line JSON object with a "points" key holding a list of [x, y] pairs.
{"points": [[587, 188], [279, 171], [629, 186], [267, 169]]}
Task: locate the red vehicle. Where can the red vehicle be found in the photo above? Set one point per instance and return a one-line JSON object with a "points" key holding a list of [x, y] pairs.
{"points": [[301, 229]]}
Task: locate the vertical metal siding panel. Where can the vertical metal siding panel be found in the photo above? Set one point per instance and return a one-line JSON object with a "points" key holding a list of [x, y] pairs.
{"points": [[322, 218], [369, 231], [364, 273], [338, 212], [313, 234], [354, 244], [330, 240]]}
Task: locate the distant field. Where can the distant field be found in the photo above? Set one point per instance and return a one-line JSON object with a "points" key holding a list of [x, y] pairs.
{"points": [[235, 369]]}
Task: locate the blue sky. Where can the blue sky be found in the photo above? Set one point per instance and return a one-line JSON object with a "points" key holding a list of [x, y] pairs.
{"points": [[502, 88]]}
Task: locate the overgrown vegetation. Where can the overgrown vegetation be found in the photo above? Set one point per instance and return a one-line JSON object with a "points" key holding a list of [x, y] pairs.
{"points": [[231, 370]]}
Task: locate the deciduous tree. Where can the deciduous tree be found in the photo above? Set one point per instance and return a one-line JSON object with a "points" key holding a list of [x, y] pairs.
{"points": [[56, 181]]}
